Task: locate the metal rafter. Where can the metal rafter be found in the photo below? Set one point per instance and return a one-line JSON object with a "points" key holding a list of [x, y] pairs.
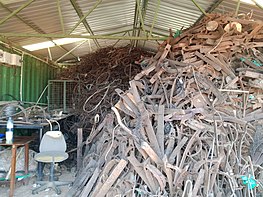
{"points": [[211, 9], [60, 16], [141, 13], [237, 8], [71, 50], [259, 5], [10, 44], [199, 7], [84, 22], [135, 23], [81, 36], [34, 27], [85, 16], [155, 16], [16, 11]]}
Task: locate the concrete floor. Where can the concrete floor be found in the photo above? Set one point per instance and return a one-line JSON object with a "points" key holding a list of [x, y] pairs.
{"points": [[26, 190]]}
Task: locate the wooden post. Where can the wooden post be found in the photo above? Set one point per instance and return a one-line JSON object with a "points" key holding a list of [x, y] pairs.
{"points": [[13, 172], [79, 147]]}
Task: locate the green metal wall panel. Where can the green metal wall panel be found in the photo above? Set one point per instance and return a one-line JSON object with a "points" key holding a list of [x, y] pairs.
{"points": [[9, 82], [35, 78], [35, 75], [9, 79]]}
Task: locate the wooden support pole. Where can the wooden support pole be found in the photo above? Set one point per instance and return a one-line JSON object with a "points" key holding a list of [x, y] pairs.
{"points": [[79, 150]]}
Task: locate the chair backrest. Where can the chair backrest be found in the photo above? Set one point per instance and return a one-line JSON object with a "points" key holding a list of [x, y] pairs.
{"points": [[53, 141]]}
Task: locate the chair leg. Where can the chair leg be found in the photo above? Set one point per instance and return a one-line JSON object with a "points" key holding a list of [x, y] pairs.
{"points": [[45, 185], [51, 176], [40, 167], [51, 183]]}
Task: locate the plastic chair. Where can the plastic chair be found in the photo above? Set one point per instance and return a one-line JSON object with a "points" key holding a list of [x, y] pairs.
{"points": [[51, 150]]}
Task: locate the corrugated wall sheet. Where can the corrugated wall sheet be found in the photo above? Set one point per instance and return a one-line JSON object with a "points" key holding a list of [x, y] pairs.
{"points": [[35, 75], [35, 78]]}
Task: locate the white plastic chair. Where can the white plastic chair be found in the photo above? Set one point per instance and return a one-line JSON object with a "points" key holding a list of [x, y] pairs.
{"points": [[52, 149]]}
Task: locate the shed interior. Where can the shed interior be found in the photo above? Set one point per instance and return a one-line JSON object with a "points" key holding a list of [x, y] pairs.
{"points": [[152, 97]]}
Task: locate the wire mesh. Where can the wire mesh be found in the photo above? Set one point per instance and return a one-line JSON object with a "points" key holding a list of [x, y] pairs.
{"points": [[60, 95]]}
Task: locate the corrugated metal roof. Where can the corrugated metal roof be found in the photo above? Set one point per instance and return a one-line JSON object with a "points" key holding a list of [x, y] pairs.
{"points": [[109, 17], [230, 7]]}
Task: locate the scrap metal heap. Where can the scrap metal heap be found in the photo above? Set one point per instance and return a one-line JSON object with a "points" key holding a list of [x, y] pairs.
{"points": [[97, 76], [189, 124]]}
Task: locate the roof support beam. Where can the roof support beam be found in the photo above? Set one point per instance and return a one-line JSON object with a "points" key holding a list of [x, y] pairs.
{"points": [[119, 40], [60, 16], [141, 13], [71, 50], [258, 4], [84, 22], [155, 16], [16, 11], [135, 23], [12, 45], [211, 9], [85, 16], [35, 27], [237, 8], [199, 7], [81, 36]]}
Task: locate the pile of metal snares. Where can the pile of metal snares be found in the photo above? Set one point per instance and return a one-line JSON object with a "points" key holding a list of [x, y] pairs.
{"points": [[188, 124], [97, 76]]}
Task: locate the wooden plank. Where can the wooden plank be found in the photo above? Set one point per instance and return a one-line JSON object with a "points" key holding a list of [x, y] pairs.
{"points": [[138, 168], [160, 129], [112, 178], [222, 64], [210, 62], [251, 74], [146, 147], [87, 189]]}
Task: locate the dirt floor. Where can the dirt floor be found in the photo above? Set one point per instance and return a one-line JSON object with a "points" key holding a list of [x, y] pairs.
{"points": [[22, 190]]}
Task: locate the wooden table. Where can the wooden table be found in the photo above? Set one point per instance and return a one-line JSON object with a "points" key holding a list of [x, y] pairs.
{"points": [[18, 141]]}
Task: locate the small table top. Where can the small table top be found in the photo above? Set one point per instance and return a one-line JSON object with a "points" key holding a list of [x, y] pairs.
{"points": [[19, 141]]}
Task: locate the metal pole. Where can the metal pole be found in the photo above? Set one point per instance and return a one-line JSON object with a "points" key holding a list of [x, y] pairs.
{"points": [[48, 95], [155, 16], [21, 77], [21, 50], [71, 50], [211, 9], [79, 148], [258, 4], [140, 15], [199, 7], [49, 53], [60, 16], [16, 11], [237, 9], [119, 40], [135, 23], [81, 36], [64, 96]]}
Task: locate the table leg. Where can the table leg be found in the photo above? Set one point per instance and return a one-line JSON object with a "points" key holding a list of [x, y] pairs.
{"points": [[26, 166], [13, 172], [40, 164], [40, 134]]}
